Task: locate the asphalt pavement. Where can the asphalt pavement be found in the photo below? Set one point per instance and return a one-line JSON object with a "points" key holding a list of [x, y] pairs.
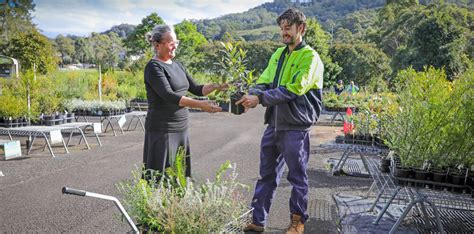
{"points": [[30, 188]]}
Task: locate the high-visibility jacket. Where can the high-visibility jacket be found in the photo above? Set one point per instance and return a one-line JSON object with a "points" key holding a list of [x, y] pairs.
{"points": [[290, 88]]}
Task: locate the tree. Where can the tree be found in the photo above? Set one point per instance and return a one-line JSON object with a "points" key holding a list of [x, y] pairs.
{"points": [[15, 17], [122, 30], [106, 49], [65, 47], [258, 54], [361, 62], [33, 48], [99, 44], [114, 50], [189, 39], [437, 40], [317, 38], [83, 50], [136, 41]]}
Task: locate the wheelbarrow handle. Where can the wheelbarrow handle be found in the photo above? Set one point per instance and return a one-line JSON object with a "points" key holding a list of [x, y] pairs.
{"points": [[72, 191]]}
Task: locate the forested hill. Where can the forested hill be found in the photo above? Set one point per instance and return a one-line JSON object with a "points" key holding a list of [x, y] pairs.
{"points": [[259, 23]]}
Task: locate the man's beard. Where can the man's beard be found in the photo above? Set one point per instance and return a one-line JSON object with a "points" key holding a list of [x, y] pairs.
{"points": [[291, 41]]}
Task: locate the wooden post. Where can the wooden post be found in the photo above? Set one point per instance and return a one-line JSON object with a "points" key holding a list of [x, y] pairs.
{"points": [[100, 85]]}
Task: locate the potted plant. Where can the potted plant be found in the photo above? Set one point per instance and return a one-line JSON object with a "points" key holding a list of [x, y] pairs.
{"points": [[49, 105], [430, 122], [235, 73], [171, 203]]}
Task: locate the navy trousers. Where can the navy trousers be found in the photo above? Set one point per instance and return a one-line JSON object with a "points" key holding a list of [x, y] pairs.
{"points": [[278, 148]]}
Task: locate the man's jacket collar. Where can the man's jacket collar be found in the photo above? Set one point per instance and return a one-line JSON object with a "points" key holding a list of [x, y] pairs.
{"points": [[298, 47]]}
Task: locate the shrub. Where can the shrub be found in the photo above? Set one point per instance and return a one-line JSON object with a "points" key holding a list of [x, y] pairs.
{"points": [[175, 204], [434, 120]]}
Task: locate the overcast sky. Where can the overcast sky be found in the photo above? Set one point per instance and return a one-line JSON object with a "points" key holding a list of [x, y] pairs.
{"points": [[81, 17]]}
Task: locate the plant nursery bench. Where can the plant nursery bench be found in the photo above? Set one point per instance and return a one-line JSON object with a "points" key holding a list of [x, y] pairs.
{"points": [[460, 207], [348, 149], [80, 127], [119, 119], [139, 116], [51, 134]]}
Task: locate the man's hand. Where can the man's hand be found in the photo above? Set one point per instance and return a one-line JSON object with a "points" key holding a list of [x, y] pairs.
{"points": [[248, 101]]}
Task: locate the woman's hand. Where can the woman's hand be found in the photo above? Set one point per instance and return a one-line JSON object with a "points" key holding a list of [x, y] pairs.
{"points": [[210, 108], [221, 87], [207, 89]]}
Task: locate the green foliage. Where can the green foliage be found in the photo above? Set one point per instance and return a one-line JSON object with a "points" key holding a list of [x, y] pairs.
{"points": [[106, 48], [13, 99], [258, 54], [265, 33], [244, 25], [11, 105], [359, 24], [432, 120], [363, 63], [234, 69], [318, 39], [136, 41], [177, 172], [122, 30], [189, 39], [139, 65], [438, 40], [365, 122], [15, 17], [238, 24], [168, 206], [66, 48], [32, 48], [438, 35], [83, 50]]}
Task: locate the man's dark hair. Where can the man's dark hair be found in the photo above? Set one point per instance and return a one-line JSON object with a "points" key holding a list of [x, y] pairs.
{"points": [[292, 16]]}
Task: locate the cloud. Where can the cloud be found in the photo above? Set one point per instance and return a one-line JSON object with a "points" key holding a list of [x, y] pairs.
{"points": [[82, 17]]}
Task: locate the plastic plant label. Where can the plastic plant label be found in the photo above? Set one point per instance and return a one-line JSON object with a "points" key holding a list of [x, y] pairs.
{"points": [[56, 136], [11, 149], [122, 121], [97, 128]]}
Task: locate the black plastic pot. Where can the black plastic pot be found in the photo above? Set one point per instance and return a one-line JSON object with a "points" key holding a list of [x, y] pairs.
{"points": [[48, 120], [470, 179], [24, 122], [385, 165], [58, 119], [403, 172], [8, 123], [236, 109], [438, 176], [340, 139], [70, 117], [420, 175], [457, 178], [224, 105]]}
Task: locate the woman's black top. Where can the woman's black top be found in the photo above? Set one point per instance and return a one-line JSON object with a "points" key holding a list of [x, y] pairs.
{"points": [[165, 85]]}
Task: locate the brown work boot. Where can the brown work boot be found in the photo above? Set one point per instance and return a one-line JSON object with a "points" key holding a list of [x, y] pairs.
{"points": [[254, 228], [296, 226]]}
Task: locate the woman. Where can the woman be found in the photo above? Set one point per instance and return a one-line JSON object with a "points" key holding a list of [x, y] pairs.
{"points": [[167, 83]]}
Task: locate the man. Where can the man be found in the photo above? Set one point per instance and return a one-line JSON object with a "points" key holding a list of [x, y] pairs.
{"points": [[339, 87], [290, 88], [352, 88]]}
